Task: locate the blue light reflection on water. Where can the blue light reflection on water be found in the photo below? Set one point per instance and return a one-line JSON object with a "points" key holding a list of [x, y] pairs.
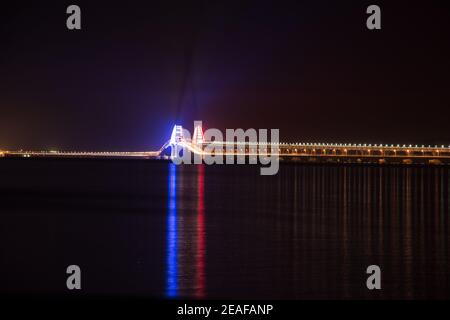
{"points": [[171, 240]]}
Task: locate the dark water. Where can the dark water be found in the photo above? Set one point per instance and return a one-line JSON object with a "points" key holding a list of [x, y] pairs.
{"points": [[143, 228]]}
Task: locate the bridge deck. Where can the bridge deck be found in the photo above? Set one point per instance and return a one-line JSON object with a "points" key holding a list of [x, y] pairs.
{"points": [[312, 152]]}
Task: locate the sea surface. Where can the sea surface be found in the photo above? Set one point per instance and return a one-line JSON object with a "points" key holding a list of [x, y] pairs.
{"points": [[140, 228]]}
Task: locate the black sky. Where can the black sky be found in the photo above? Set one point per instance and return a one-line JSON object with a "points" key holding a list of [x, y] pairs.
{"points": [[309, 68]]}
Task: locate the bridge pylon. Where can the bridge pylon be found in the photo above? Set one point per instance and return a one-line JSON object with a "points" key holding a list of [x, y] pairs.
{"points": [[198, 138], [175, 139]]}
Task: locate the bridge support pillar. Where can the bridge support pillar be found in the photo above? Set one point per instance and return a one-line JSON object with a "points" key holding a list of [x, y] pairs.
{"points": [[175, 151]]}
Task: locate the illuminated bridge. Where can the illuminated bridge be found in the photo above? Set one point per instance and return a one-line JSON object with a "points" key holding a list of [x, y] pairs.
{"points": [[78, 154], [314, 152], [299, 152]]}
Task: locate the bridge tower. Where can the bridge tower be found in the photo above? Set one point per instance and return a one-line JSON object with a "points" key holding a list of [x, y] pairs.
{"points": [[175, 139], [197, 138]]}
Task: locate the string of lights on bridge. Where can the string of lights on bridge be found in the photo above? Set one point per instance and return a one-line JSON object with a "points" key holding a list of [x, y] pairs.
{"points": [[308, 144]]}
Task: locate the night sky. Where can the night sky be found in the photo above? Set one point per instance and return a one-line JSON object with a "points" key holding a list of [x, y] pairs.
{"points": [[310, 68]]}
